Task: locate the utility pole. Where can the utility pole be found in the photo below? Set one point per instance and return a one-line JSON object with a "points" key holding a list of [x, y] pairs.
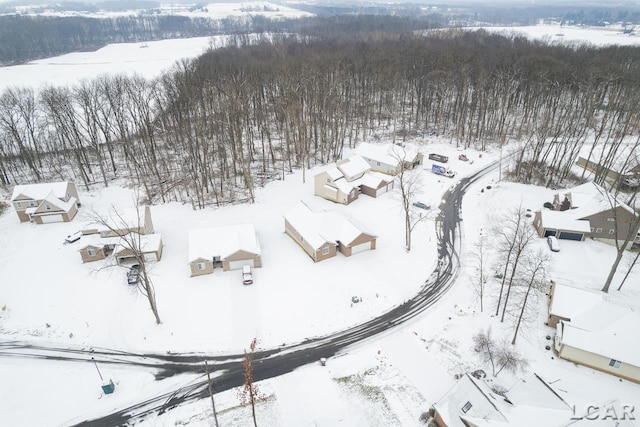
{"points": [[213, 403]]}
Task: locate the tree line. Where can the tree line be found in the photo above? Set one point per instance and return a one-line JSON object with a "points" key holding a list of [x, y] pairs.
{"points": [[213, 128]]}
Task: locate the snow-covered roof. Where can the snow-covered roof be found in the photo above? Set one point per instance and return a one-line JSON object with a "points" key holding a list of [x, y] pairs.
{"points": [[569, 302], [334, 173], [222, 241], [471, 398], [354, 165], [371, 180], [606, 329], [97, 241], [40, 191], [343, 185], [148, 243], [55, 201], [390, 154], [320, 227], [564, 220], [589, 199], [384, 153], [531, 402], [625, 156]]}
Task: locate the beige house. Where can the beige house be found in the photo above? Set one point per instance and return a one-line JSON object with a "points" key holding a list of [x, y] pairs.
{"points": [[95, 248], [595, 332], [322, 234], [472, 402], [123, 222], [46, 203], [352, 176], [586, 211], [229, 247]]}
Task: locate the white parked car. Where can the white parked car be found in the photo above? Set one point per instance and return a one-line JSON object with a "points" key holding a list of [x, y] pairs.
{"points": [[553, 243], [247, 276]]}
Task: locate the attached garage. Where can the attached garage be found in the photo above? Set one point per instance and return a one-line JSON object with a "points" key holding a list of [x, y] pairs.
{"points": [[48, 219], [237, 265], [361, 248]]}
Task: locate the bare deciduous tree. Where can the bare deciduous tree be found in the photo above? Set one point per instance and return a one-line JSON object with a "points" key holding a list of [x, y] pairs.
{"points": [[408, 184], [480, 267], [500, 354], [535, 266], [131, 241]]}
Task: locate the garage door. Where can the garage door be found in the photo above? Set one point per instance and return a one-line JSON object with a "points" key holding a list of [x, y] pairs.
{"points": [[360, 248], [381, 190], [51, 218], [548, 233], [236, 265], [570, 236]]}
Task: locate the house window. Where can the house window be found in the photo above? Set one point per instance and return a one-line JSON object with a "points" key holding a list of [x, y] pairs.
{"points": [[200, 265], [325, 250], [328, 180], [466, 407], [612, 230], [91, 252], [301, 239], [48, 207], [19, 204], [378, 163], [31, 203], [593, 229], [216, 258], [614, 363], [611, 219], [598, 230]]}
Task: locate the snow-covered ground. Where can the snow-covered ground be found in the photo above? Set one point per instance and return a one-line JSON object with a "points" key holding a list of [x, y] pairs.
{"points": [[387, 382]]}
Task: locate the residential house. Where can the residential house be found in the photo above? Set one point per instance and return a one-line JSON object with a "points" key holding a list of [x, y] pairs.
{"points": [[95, 248], [149, 245], [622, 160], [123, 222], [322, 233], [350, 177], [530, 402], [593, 331], [332, 185], [229, 247], [46, 203], [586, 211], [390, 158]]}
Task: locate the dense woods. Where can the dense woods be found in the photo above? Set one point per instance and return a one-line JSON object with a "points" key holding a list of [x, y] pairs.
{"points": [[214, 128]]}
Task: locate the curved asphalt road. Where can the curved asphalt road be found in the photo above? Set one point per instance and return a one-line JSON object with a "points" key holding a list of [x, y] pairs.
{"points": [[228, 370]]}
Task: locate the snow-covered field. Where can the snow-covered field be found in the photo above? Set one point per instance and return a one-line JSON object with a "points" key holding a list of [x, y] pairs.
{"points": [[572, 35], [48, 296]]}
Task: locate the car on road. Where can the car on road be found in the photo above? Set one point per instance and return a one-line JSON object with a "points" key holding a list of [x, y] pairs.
{"points": [[247, 276], [133, 274], [74, 237], [421, 205], [553, 243]]}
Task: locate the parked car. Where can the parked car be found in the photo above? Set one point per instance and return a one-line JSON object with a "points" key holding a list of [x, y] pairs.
{"points": [[74, 237], [133, 274], [421, 205], [463, 157], [247, 276], [553, 243]]}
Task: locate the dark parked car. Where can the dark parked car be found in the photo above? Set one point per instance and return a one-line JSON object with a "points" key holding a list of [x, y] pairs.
{"points": [[421, 205], [133, 274]]}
